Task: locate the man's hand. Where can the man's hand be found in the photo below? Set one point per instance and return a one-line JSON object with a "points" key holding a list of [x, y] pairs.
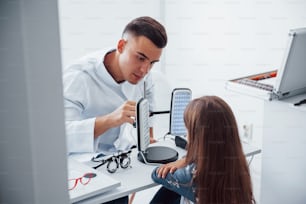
{"points": [[152, 140], [126, 113]]}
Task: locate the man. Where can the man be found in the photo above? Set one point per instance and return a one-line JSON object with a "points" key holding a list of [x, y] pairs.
{"points": [[101, 90]]}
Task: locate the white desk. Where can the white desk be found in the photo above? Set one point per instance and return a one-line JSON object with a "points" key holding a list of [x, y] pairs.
{"points": [[138, 177]]}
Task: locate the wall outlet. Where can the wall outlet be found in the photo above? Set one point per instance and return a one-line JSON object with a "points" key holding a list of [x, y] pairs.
{"points": [[247, 131]]}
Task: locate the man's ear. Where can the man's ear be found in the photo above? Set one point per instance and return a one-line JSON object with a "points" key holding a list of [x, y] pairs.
{"points": [[120, 45]]}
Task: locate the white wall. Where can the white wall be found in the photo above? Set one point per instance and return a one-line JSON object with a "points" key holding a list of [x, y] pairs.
{"points": [[91, 25]]}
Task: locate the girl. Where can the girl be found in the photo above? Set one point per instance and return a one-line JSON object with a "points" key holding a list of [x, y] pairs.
{"points": [[215, 169]]}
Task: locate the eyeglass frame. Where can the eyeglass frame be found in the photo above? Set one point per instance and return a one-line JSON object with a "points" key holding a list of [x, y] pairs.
{"points": [[92, 175], [117, 157]]}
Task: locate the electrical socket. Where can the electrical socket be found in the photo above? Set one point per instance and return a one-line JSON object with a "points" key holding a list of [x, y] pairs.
{"points": [[247, 131]]}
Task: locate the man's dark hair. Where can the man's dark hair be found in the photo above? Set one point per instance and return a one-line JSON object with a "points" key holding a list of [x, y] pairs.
{"points": [[148, 27]]}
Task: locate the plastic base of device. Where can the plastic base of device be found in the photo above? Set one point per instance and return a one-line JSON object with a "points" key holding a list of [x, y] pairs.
{"points": [[158, 155]]}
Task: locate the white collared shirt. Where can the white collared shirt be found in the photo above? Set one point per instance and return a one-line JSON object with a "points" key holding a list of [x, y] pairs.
{"points": [[90, 91]]}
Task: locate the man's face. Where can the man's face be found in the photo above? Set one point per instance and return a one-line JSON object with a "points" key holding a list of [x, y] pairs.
{"points": [[137, 56]]}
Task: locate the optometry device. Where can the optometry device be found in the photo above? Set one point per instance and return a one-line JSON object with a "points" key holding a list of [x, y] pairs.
{"points": [[179, 100], [154, 155], [120, 158]]}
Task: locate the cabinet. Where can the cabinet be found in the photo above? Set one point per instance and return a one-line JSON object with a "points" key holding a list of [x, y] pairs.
{"points": [[283, 178]]}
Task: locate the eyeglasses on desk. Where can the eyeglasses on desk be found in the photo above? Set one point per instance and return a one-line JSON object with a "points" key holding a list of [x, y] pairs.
{"points": [[120, 158], [85, 179]]}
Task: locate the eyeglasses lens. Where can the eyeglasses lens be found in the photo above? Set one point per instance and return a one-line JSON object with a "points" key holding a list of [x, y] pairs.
{"points": [[125, 161], [112, 166]]}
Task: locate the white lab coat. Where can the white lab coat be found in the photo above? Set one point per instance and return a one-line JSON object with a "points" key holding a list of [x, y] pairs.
{"points": [[90, 91]]}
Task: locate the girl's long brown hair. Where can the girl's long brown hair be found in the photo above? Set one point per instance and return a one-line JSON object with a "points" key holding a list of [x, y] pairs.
{"points": [[222, 174]]}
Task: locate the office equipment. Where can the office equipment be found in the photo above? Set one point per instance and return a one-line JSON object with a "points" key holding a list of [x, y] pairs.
{"points": [[180, 141], [283, 124], [154, 154], [249, 81], [179, 100], [99, 183], [289, 79]]}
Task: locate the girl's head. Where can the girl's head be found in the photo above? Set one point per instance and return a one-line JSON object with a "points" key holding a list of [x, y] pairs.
{"points": [[222, 174], [211, 124]]}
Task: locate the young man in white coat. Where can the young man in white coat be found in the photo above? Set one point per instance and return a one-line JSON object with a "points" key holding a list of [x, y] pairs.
{"points": [[101, 89]]}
